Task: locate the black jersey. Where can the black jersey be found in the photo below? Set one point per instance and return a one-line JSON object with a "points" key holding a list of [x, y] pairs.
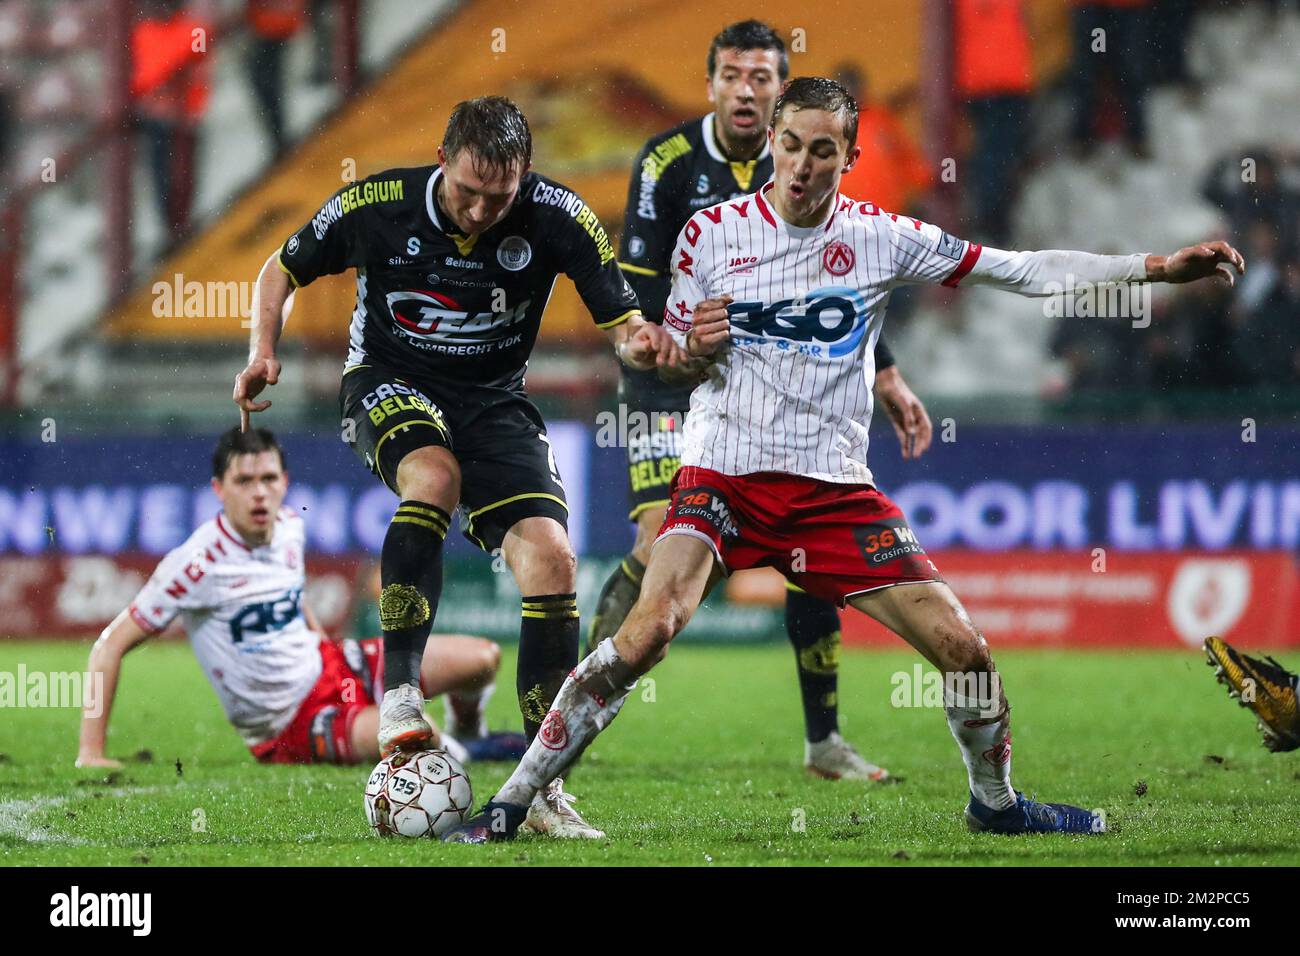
{"points": [[676, 174], [435, 303]]}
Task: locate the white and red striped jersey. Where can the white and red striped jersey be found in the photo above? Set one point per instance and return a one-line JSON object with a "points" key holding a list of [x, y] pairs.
{"points": [[792, 390], [242, 610]]}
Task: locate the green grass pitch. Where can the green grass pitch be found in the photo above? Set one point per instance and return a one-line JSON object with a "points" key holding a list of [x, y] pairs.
{"points": [[703, 768]]}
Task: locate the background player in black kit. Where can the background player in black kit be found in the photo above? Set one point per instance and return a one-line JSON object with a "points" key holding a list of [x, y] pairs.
{"points": [[704, 161], [455, 263]]}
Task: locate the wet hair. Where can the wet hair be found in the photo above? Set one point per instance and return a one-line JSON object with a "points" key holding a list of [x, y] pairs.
{"points": [[234, 443], [819, 93], [493, 129], [749, 35]]}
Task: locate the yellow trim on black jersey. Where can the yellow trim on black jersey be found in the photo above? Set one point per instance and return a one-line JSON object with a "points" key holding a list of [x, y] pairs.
{"points": [[646, 506], [639, 270], [618, 321], [743, 173], [464, 244], [285, 269]]}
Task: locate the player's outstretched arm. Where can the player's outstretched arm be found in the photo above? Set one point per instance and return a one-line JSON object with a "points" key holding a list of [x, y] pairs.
{"points": [[272, 302], [1051, 271], [103, 668]]}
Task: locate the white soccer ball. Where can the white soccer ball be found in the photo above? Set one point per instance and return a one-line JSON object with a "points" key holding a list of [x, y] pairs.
{"points": [[420, 794]]}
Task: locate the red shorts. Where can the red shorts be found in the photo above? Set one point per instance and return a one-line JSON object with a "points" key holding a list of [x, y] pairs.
{"points": [[351, 679], [833, 540]]}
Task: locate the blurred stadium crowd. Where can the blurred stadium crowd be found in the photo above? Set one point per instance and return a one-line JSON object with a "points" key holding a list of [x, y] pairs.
{"points": [[1185, 122]]}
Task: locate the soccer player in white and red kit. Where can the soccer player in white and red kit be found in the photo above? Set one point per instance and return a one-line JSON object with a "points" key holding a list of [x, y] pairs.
{"points": [[783, 295], [293, 695]]}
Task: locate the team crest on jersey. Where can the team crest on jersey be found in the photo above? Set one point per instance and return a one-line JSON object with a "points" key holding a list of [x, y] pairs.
{"points": [[514, 253], [838, 258]]}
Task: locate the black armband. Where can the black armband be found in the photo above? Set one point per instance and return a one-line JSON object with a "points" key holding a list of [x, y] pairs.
{"points": [[884, 357]]}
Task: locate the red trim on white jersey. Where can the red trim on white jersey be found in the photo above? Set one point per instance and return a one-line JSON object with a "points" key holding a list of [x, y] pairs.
{"points": [[221, 526], [842, 202], [142, 622], [762, 205], [968, 261]]}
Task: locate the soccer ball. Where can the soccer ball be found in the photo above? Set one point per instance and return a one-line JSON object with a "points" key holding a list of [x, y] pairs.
{"points": [[420, 794]]}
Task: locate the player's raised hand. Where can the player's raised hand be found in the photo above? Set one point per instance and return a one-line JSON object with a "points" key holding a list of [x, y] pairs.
{"points": [[1204, 260], [259, 373], [710, 326], [906, 412]]}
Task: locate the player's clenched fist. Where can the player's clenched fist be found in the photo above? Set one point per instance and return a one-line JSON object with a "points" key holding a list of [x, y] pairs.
{"points": [[710, 326], [651, 346], [259, 373]]}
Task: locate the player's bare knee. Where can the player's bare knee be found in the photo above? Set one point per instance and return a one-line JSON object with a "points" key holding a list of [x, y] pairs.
{"points": [[487, 658], [562, 566], [430, 475], [538, 553]]}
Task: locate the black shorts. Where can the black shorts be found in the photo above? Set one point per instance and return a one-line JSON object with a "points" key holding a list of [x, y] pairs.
{"points": [[507, 467], [651, 418]]}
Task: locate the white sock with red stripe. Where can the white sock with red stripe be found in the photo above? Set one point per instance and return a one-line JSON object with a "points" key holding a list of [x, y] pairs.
{"points": [[589, 699], [982, 729]]}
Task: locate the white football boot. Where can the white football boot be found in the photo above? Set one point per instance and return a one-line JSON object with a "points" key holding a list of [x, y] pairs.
{"points": [[402, 724], [835, 759], [551, 814]]}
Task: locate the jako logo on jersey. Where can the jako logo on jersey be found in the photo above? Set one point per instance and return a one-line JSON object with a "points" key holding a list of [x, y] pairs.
{"points": [[514, 253], [838, 258], [742, 263], [834, 315], [265, 617], [424, 313]]}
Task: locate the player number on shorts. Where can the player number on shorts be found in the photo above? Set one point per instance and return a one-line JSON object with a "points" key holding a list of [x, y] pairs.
{"points": [[877, 541], [550, 459]]}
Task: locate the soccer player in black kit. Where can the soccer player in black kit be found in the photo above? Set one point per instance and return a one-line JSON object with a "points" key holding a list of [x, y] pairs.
{"points": [[704, 161], [455, 263]]}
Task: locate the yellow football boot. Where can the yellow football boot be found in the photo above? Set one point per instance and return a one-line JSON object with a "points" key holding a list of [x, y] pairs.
{"points": [[1265, 686]]}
